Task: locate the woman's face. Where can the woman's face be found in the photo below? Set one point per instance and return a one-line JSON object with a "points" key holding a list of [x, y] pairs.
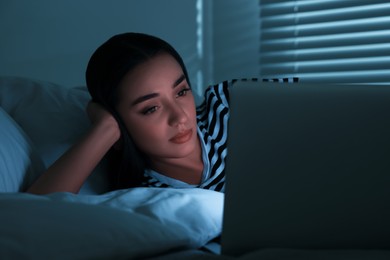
{"points": [[158, 109]]}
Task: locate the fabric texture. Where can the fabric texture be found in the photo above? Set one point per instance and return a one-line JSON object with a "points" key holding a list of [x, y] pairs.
{"points": [[20, 164], [133, 223], [53, 117]]}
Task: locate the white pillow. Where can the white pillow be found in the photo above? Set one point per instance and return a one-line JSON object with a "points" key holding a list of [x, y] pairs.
{"points": [[54, 118], [19, 163]]}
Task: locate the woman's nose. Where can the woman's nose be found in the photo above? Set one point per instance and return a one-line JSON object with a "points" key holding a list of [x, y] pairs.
{"points": [[177, 115]]}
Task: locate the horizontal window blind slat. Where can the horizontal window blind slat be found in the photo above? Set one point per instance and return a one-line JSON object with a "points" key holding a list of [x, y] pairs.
{"points": [[325, 28], [369, 50], [334, 65], [332, 40], [271, 7], [282, 71], [332, 15], [376, 76]]}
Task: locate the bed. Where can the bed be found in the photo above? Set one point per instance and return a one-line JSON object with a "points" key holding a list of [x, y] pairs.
{"points": [[39, 121]]}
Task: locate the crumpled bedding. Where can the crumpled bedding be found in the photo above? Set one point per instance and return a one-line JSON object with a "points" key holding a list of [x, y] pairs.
{"points": [[122, 224]]}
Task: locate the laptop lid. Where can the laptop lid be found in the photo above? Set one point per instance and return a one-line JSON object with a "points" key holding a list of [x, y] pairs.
{"points": [[308, 167]]}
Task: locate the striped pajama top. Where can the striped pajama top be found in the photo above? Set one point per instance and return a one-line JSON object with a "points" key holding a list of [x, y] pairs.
{"points": [[212, 119]]}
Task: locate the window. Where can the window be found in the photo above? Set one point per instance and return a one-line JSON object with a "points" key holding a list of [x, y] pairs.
{"points": [[230, 40], [338, 41]]}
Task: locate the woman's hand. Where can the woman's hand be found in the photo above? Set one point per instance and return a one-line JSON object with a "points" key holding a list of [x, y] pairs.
{"points": [[98, 115]]}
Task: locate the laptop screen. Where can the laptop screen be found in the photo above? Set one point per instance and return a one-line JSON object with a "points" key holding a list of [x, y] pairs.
{"points": [[308, 167]]}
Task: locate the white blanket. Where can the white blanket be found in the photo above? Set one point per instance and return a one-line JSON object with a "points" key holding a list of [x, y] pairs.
{"points": [[123, 224]]}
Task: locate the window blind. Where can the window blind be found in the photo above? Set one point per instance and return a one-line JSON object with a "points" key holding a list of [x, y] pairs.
{"points": [[336, 41]]}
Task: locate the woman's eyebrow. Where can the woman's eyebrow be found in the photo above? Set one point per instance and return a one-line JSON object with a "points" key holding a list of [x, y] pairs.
{"points": [[179, 80], [153, 95], [144, 98]]}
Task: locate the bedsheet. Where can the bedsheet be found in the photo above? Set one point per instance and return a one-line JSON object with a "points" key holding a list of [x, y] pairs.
{"points": [[283, 254], [123, 224]]}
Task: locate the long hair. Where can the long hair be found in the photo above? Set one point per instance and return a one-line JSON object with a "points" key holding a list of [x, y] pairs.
{"points": [[106, 68]]}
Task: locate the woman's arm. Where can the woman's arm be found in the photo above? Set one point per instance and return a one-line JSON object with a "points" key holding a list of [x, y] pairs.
{"points": [[71, 170]]}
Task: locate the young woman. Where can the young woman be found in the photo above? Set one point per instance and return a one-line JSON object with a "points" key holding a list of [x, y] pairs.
{"points": [[145, 120]]}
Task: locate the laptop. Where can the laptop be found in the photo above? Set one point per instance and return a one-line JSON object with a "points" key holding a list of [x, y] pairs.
{"points": [[308, 167]]}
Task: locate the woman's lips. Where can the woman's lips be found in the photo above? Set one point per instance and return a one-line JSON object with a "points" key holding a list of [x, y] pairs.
{"points": [[182, 137]]}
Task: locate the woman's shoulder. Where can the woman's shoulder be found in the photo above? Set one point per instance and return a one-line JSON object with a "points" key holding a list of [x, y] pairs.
{"points": [[217, 93], [219, 89], [214, 111], [220, 92]]}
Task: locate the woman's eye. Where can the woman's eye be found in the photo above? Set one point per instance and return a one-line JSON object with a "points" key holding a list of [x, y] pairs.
{"points": [[183, 92], [150, 110]]}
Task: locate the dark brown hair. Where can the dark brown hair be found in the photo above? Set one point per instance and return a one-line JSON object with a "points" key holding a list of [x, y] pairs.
{"points": [[106, 68]]}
